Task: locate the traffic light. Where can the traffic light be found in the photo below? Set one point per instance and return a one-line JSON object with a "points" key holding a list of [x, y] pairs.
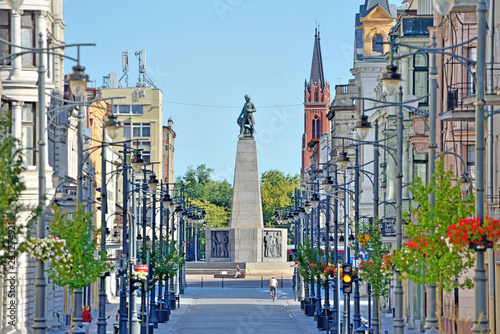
{"points": [[347, 278], [133, 284], [150, 283]]}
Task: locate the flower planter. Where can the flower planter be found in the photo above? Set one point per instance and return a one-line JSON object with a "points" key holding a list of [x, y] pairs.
{"points": [[302, 304], [322, 322], [309, 309], [484, 244]]}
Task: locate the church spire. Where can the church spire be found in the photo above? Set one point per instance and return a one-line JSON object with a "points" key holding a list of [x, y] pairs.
{"points": [[317, 75]]}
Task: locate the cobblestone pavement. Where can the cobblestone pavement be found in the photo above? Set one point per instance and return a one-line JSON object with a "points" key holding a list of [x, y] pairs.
{"points": [[239, 306]]}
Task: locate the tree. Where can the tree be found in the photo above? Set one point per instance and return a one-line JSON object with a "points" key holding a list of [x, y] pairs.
{"points": [[428, 257], [276, 190], [198, 185], [82, 265], [374, 269], [12, 232]]}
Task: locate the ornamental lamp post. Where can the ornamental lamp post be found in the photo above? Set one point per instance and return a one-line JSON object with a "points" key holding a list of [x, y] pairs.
{"points": [[78, 85], [153, 319], [111, 126], [444, 7]]}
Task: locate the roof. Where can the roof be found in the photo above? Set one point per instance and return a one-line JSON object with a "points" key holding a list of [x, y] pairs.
{"points": [[317, 75], [370, 4]]}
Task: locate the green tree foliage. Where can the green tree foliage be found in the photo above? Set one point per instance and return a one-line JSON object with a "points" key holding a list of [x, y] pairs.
{"points": [[375, 268], [12, 233], [429, 257], [276, 190], [198, 185], [83, 267]]}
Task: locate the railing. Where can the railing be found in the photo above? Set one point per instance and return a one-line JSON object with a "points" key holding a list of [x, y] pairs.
{"points": [[456, 94], [493, 206]]}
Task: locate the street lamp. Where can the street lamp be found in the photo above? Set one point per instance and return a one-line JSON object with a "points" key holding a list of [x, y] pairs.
{"points": [[342, 161], [137, 161], [363, 126], [390, 79], [443, 7], [78, 85]]}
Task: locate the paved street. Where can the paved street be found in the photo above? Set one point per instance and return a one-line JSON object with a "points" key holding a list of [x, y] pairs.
{"points": [[241, 306]]}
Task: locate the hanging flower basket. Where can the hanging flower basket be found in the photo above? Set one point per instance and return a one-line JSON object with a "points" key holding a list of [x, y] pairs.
{"points": [[471, 233]]}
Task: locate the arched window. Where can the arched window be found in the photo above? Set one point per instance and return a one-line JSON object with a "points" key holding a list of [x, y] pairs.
{"points": [[315, 128], [377, 45]]}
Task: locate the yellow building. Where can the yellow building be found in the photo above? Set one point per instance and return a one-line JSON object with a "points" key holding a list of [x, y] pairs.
{"points": [[140, 111]]}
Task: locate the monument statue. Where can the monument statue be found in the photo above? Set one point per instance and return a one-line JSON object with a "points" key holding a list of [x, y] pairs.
{"points": [[245, 119]]}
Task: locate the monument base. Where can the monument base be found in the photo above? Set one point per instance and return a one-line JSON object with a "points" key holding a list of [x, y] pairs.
{"points": [[250, 268], [246, 245]]}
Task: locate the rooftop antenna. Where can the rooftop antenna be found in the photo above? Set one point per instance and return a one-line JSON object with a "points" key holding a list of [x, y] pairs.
{"points": [[143, 77], [124, 68]]}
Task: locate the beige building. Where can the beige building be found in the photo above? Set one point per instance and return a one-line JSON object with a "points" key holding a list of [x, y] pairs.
{"points": [[140, 111]]}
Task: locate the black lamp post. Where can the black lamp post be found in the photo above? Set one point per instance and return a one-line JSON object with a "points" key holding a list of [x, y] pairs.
{"points": [[153, 319]]}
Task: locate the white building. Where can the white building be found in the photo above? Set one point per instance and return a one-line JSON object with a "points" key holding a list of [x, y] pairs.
{"points": [[19, 77]]}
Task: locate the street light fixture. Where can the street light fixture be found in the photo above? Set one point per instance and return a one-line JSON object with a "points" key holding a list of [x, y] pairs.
{"points": [[390, 79], [152, 183], [363, 126], [464, 182], [112, 126], [308, 207], [343, 160], [443, 7], [78, 81], [137, 161], [315, 200]]}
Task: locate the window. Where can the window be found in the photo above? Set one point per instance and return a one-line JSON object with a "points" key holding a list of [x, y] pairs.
{"points": [[377, 45], [471, 160], [141, 130], [421, 77], [146, 155], [471, 89], [136, 109], [126, 130], [4, 34], [28, 37], [315, 128], [420, 166], [128, 109], [28, 134]]}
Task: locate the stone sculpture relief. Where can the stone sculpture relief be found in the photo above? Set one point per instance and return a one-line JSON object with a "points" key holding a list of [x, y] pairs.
{"points": [[272, 244], [220, 239]]}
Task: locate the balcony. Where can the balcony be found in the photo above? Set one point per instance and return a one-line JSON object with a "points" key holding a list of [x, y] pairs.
{"points": [[492, 74], [456, 107]]}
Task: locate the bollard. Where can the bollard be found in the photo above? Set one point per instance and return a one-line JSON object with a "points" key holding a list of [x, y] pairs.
{"points": [[281, 282], [222, 281], [261, 281], [202, 282]]}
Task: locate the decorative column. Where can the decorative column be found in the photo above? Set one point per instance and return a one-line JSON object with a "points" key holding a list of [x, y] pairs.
{"points": [[15, 37]]}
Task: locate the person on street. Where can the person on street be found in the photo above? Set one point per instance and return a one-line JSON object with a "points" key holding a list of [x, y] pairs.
{"points": [[87, 317], [273, 286]]}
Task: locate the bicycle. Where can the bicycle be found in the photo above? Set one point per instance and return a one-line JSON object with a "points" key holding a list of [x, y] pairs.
{"points": [[274, 293]]}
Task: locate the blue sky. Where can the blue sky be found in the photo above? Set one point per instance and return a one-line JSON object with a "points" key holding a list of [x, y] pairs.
{"points": [[205, 55]]}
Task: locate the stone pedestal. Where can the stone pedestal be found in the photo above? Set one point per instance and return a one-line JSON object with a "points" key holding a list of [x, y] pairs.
{"points": [[246, 242]]}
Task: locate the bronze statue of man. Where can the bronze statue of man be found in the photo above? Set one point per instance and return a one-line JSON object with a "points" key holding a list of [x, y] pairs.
{"points": [[245, 119]]}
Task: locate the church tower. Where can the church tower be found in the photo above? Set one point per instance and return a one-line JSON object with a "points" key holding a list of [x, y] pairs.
{"points": [[316, 101]]}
